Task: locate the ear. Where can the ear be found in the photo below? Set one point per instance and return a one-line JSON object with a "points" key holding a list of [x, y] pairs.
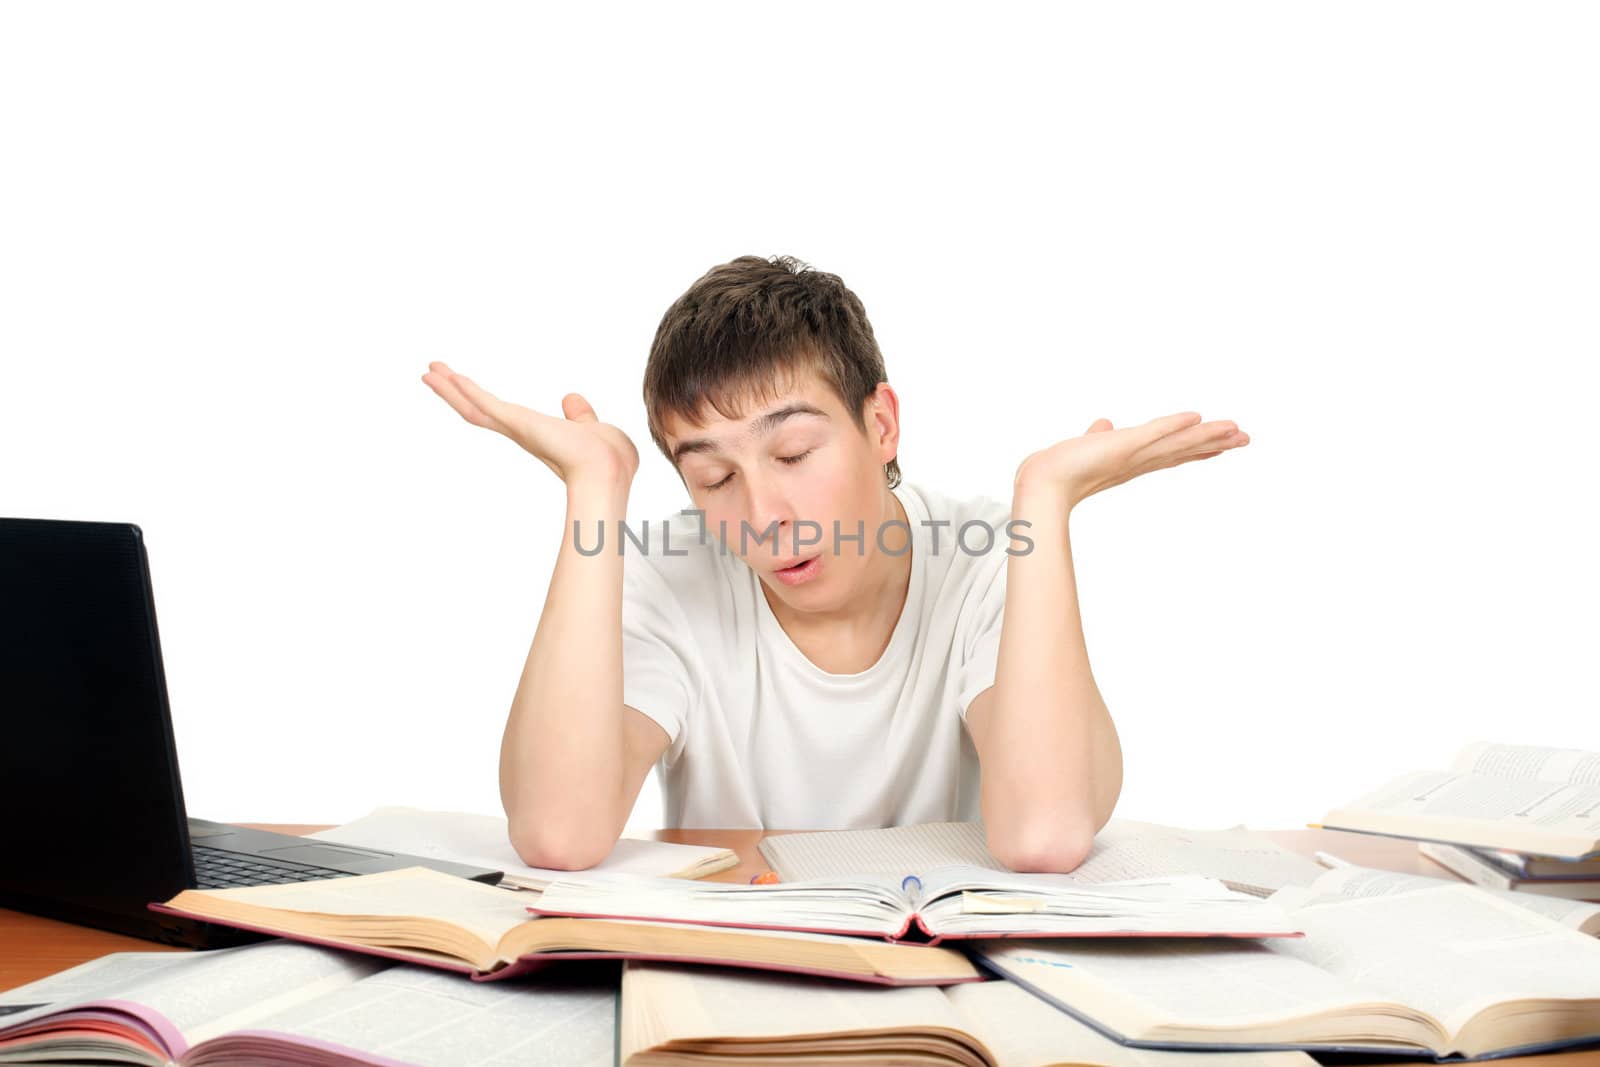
{"points": [[883, 421]]}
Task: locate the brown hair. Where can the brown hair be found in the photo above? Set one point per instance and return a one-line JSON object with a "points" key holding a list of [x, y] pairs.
{"points": [[747, 325]]}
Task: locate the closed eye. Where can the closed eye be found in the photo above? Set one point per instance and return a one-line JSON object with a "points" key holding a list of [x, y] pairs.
{"points": [[789, 460]]}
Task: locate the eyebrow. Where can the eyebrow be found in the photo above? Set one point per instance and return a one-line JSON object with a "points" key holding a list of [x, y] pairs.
{"points": [[761, 424]]}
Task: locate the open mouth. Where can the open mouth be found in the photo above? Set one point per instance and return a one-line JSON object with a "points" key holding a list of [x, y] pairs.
{"points": [[801, 571]]}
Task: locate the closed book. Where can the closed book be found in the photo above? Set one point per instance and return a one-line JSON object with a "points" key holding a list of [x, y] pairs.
{"points": [[1474, 867]]}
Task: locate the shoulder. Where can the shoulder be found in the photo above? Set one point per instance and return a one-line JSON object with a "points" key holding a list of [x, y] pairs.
{"points": [[938, 506], [962, 535], [671, 558]]}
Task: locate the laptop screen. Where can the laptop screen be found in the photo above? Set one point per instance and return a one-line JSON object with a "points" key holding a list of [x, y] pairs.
{"points": [[88, 770]]}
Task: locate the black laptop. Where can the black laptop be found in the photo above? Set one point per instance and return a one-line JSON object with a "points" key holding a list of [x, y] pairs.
{"points": [[94, 822]]}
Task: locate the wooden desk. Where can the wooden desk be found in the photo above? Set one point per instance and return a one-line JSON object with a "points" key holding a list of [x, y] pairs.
{"points": [[31, 947]]}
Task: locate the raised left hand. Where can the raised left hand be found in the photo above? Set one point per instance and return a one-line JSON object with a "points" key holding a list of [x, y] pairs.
{"points": [[1103, 457]]}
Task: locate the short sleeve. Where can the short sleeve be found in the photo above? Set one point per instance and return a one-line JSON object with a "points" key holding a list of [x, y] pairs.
{"points": [[977, 638], [656, 659]]}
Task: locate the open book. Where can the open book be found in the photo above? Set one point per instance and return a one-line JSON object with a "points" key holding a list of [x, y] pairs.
{"points": [[672, 1017], [1352, 880], [281, 1002], [950, 902], [1123, 849], [484, 841], [422, 916], [1452, 972], [1519, 797]]}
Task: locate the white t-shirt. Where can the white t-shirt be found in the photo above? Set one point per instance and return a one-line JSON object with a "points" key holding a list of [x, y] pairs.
{"points": [[764, 738]]}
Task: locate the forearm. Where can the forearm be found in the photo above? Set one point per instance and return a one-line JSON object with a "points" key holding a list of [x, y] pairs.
{"points": [[1052, 764], [561, 758]]}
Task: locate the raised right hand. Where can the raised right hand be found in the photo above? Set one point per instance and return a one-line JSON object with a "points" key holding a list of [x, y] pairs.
{"points": [[578, 448]]}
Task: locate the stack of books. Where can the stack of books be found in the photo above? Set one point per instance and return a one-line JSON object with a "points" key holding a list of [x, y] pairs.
{"points": [[1166, 948], [1499, 868], [1511, 818]]}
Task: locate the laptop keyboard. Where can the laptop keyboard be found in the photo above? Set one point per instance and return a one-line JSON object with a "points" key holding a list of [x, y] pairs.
{"points": [[216, 869]]}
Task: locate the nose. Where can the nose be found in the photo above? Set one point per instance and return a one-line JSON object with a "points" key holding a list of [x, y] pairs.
{"points": [[770, 507]]}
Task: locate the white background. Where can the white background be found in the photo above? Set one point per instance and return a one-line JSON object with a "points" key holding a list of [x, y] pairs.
{"points": [[232, 237]]}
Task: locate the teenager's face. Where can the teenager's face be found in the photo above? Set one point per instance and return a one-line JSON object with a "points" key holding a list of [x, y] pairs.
{"points": [[787, 463]]}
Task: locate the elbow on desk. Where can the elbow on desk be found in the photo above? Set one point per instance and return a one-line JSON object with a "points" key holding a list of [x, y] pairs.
{"points": [[548, 844], [1042, 849]]}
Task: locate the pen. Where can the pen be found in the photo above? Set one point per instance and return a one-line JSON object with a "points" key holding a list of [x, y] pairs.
{"points": [[1328, 859]]}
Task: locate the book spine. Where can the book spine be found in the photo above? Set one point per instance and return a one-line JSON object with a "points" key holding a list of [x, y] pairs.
{"points": [[1465, 864]]}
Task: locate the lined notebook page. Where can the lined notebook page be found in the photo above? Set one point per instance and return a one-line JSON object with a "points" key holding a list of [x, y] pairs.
{"points": [[896, 851], [1123, 849]]}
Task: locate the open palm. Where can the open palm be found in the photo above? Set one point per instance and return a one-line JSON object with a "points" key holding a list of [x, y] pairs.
{"points": [[1104, 457], [576, 447]]}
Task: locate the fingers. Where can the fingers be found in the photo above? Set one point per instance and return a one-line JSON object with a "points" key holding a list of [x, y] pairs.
{"points": [[1167, 424], [1098, 426], [484, 400], [1216, 442], [538, 433], [442, 380], [1194, 436]]}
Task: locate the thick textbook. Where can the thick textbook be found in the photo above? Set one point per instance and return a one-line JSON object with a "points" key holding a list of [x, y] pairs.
{"points": [[673, 1017], [1524, 798], [422, 916], [1123, 849], [1446, 972], [280, 1002], [947, 903]]}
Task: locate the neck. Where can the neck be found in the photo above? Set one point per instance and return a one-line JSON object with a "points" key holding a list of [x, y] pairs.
{"points": [[852, 637]]}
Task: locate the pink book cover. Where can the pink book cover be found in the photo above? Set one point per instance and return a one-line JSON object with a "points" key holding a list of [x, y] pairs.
{"points": [[537, 961]]}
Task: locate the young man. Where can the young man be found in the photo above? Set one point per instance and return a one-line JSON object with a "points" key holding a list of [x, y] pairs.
{"points": [[812, 644]]}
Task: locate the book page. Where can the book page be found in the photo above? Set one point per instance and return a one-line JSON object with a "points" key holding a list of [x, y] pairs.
{"points": [[1039, 892], [1024, 1031], [1570, 765], [432, 1019], [1480, 809], [862, 905], [1451, 951], [897, 850], [484, 841], [101, 979], [1237, 857], [1229, 992], [1357, 881], [968, 901], [1124, 849], [662, 1003], [201, 993], [483, 910]]}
